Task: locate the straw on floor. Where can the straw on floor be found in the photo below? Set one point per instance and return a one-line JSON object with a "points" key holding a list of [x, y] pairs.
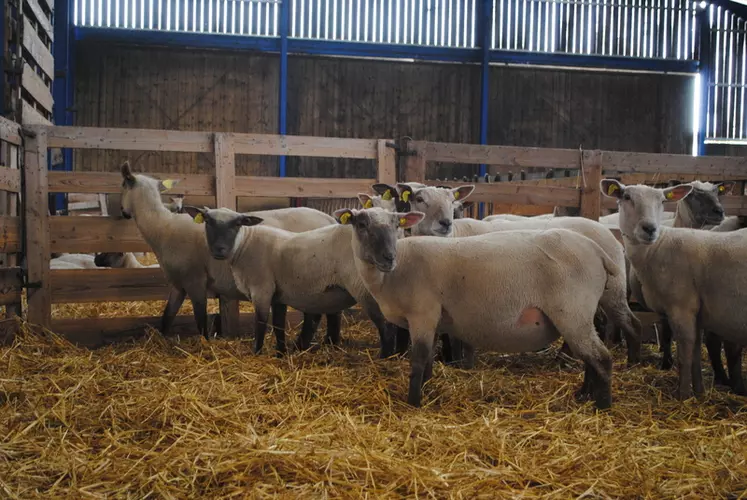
{"points": [[190, 418]]}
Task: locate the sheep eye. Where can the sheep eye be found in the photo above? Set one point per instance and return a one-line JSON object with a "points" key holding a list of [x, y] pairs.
{"points": [[419, 199], [626, 197]]}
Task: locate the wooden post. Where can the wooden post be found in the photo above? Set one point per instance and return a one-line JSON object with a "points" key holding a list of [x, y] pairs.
{"points": [[415, 169], [225, 196], [36, 211], [386, 164], [591, 201]]}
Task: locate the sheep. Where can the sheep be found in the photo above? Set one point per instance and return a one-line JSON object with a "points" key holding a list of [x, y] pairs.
{"points": [[456, 286], [436, 203], [73, 261], [176, 205], [190, 271], [692, 277], [701, 209], [311, 271]]}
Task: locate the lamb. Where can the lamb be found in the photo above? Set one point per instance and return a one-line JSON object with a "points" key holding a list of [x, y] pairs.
{"points": [[73, 261], [119, 260], [497, 304], [190, 271], [312, 271], [693, 277]]}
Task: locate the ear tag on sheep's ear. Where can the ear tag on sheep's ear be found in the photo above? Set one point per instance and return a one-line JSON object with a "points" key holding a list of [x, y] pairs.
{"points": [[368, 204], [199, 218], [611, 190], [386, 196], [402, 222], [721, 188], [406, 196], [456, 195], [345, 218], [669, 195], [167, 184]]}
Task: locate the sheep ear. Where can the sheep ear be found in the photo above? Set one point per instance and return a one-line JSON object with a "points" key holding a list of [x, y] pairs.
{"points": [[405, 192], [462, 192], [386, 191], [167, 184], [196, 213], [251, 220], [677, 193], [409, 219], [127, 173], [467, 204], [612, 188], [723, 188], [366, 201], [344, 215]]}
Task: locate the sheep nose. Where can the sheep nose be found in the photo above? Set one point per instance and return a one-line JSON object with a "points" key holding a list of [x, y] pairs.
{"points": [[388, 257], [445, 223], [718, 210], [648, 228]]}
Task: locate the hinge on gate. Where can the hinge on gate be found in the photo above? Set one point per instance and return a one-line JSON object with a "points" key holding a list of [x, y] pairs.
{"points": [[401, 150]]}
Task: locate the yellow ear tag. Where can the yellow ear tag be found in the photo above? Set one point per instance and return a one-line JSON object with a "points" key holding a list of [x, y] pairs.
{"points": [[368, 204], [721, 189], [612, 189], [387, 195], [402, 222], [456, 195], [669, 195], [168, 183], [344, 218], [406, 196], [199, 219]]}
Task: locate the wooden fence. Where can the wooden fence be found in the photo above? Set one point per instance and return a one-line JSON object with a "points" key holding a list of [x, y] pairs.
{"points": [[45, 234]]}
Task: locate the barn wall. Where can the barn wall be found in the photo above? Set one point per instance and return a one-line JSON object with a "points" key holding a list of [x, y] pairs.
{"points": [[125, 86]]}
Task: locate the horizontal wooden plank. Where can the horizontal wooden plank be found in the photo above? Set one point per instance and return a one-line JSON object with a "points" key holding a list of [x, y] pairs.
{"points": [[35, 86], [10, 179], [39, 52], [518, 194], [95, 332], [291, 145], [11, 281], [735, 205], [729, 167], [507, 156], [30, 116], [126, 139], [95, 234], [111, 182], [10, 234], [41, 17], [105, 285], [301, 187], [10, 131]]}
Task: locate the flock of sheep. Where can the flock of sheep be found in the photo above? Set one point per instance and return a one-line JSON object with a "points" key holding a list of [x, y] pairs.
{"points": [[505, 283]]}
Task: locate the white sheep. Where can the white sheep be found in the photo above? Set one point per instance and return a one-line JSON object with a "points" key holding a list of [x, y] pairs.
{"points": [[73, 261], [693, 277], [181, 250], [313, 271], [482, 291]]}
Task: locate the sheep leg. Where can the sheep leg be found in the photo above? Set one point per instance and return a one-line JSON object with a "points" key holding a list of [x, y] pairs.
{"points": [[620, 316], [421, 364], [173, 304], [734, 362], [260, 327], [402, 336], [685, 332], [447, 353], [585, 392], [387, 331], [278, 326], [697, 368], [665, 344], [310, 324], [468, 356], [713, 345], [199, 306], [333, 328], [586, 344]]}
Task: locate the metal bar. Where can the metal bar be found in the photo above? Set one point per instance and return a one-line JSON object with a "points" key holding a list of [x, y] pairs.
{"points": [[283, 80], [705, 55], [2, 58], [62, 86], [486, 28]]}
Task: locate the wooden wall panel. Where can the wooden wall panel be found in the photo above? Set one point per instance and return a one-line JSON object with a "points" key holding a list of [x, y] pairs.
{"points": [[118, 86], [124, 86]]}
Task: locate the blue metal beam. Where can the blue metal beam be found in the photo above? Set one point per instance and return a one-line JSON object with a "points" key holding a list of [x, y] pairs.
{"points": [[62, 86], [486, 20], [703, 34], [283, 78], [2, 58], [376, 50]]}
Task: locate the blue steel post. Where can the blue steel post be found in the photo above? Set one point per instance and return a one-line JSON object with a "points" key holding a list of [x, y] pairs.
{"points": [[2, 58], [283, 91], [705, 55], [485, 32], [62, 89]]}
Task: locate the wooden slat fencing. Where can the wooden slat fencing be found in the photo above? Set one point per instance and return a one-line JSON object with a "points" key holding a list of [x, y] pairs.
{"points": [[45, 234], [38, 63], [11, 280]]}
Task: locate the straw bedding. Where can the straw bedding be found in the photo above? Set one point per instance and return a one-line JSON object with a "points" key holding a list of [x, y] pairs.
{"points": [[168, 418]]}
